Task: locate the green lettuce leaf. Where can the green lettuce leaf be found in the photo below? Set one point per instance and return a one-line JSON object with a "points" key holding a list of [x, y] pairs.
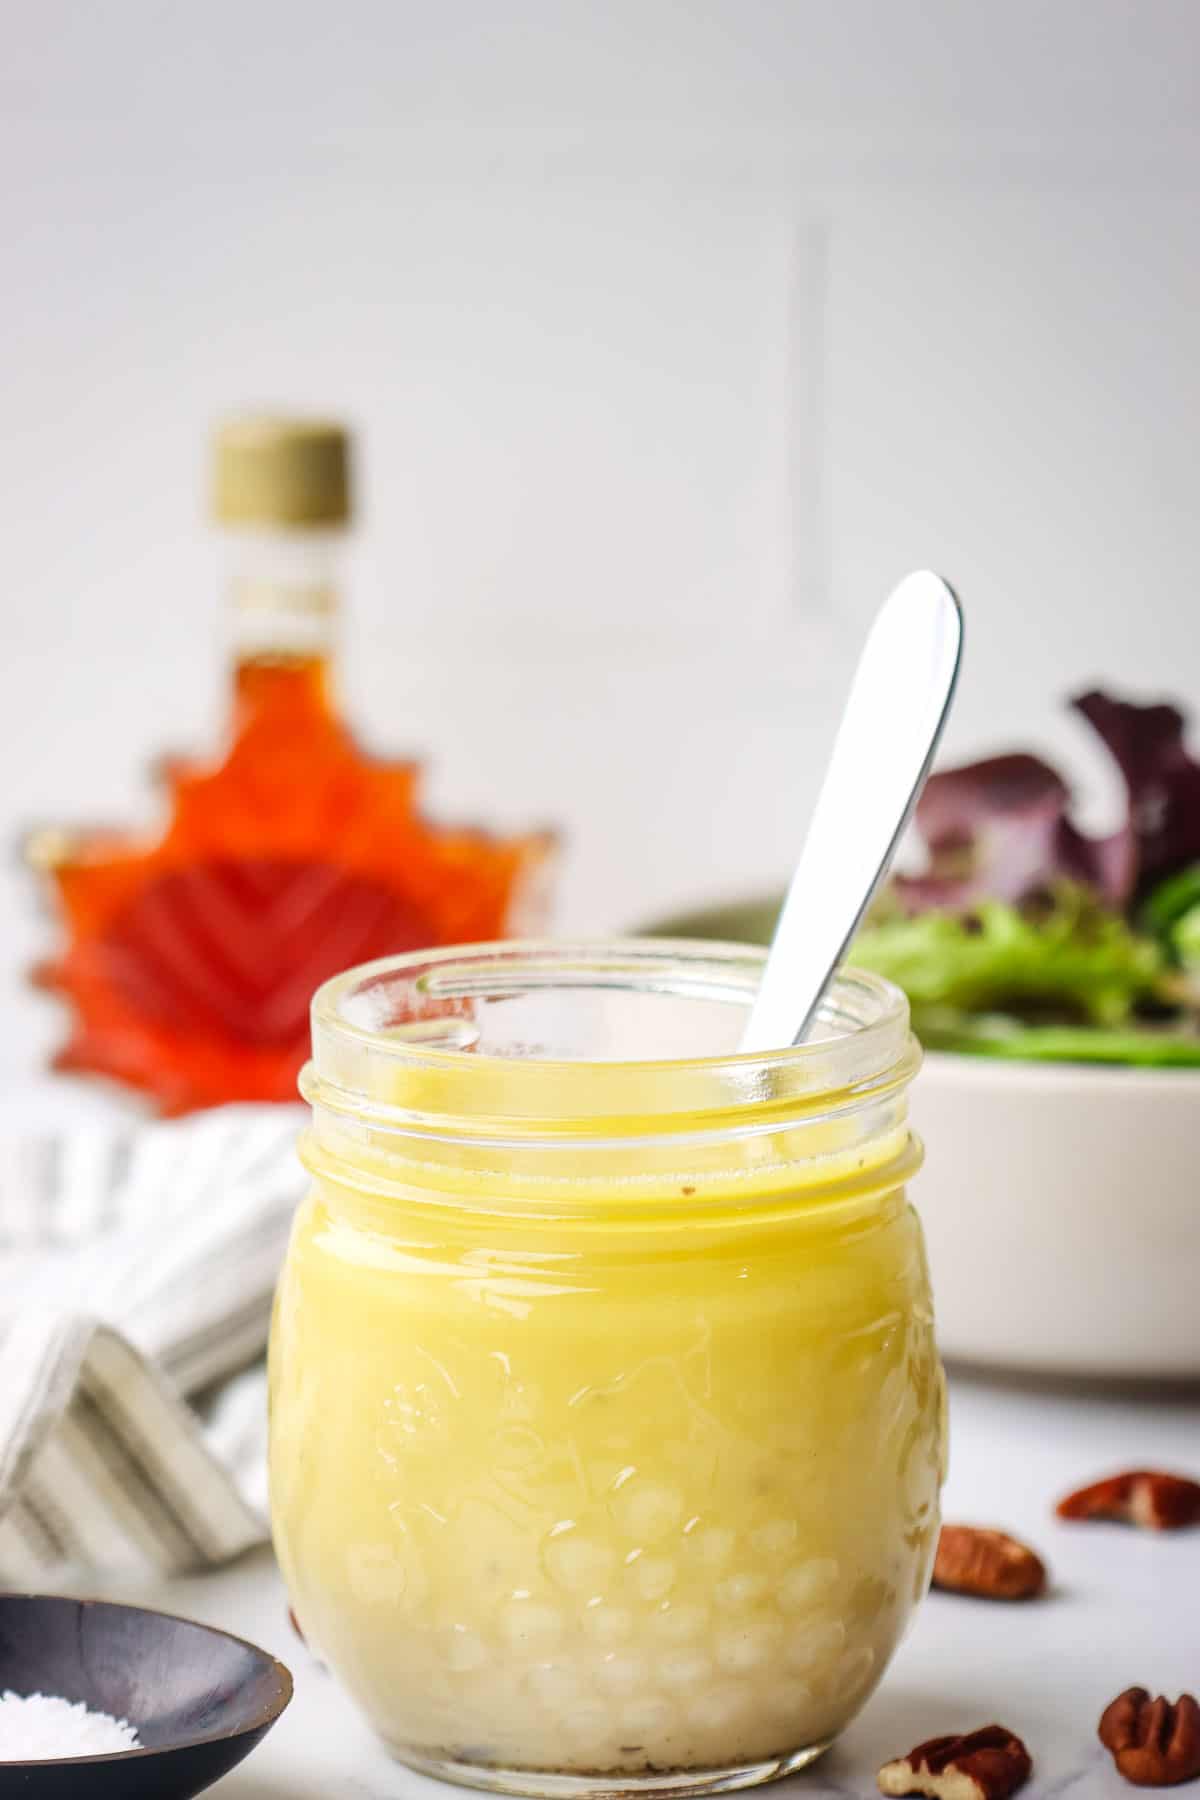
{"points": [[1000, 1035], [1070, 962], [1185, 940], [1172, 913]]}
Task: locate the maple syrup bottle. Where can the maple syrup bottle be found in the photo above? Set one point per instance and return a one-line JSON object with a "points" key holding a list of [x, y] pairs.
{"points": [[190, 957]]}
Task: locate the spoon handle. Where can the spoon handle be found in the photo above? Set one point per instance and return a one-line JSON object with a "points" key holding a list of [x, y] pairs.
{"points": [[894, 715]]}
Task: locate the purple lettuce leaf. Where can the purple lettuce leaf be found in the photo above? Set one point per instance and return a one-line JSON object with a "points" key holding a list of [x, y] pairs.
{"points": [[1001, 828], [1162, 780]]}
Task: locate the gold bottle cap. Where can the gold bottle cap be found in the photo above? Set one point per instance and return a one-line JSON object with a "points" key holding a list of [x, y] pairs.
{"points": [[272, 471]]}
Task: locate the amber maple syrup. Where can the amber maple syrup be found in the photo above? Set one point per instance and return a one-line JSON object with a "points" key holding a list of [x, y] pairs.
{"points": [[190, 957]]}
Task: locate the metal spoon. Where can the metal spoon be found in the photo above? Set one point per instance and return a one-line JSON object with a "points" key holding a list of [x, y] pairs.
{"points": [[894, 715]]}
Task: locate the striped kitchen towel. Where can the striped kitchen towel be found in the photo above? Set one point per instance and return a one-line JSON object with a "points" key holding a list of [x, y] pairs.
{"points": [[137, 1267]]}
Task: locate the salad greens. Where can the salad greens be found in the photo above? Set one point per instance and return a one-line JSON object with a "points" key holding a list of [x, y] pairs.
{"points": [[1072, 960], [1023, 937]]}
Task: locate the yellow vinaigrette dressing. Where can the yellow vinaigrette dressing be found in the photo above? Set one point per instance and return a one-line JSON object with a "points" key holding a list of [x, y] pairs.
{"points": [[607, 1422]]}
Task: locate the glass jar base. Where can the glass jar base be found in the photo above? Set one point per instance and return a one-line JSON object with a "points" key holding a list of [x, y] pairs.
{"points": [[538, 1784]]}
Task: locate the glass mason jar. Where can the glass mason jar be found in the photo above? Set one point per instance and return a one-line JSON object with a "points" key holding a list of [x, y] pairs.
{"points": [[607, 1422]]}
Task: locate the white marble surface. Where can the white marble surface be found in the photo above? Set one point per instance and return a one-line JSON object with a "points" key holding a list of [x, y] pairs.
{"points": [[1124, 1608]]}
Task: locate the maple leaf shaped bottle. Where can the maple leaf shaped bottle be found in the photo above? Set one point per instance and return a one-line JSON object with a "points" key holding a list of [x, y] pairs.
{"points": [[190, 957]]}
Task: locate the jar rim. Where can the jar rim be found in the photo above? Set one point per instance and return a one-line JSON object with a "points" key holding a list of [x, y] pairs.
{"points": [[862, 1039]]}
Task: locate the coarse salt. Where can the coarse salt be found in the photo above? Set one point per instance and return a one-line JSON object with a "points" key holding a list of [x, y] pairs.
{"points": [[44, 1727]]}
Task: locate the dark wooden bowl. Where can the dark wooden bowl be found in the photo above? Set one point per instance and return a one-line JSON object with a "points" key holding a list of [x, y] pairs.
{"points": [[199, 1699]]}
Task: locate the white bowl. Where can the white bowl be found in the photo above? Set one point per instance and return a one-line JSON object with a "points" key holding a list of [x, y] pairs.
{"points": [[1062, 1211]]}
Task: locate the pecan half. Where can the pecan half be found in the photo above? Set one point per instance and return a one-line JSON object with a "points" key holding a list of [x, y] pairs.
{"points": [[972, 1559], [982, 1765], [1145, 1497], [1153, 1743]]}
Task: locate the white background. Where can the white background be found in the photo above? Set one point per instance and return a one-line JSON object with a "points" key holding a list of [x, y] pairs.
{"points": [[674, 334]]}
